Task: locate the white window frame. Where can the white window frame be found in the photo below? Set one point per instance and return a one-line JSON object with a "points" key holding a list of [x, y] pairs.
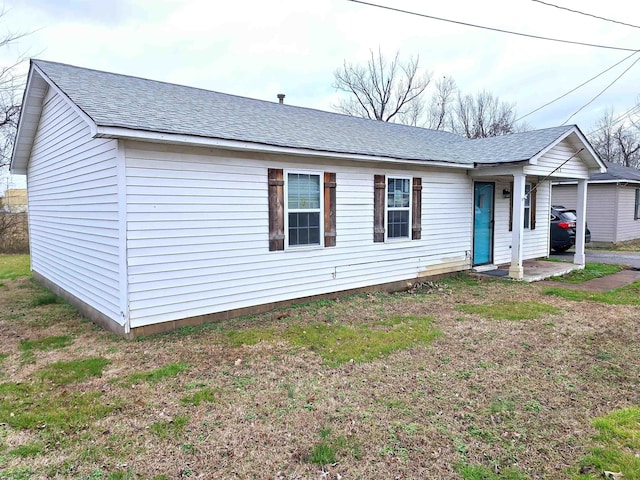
{"points": [[527, 207], [287, 210], [387, 209]]}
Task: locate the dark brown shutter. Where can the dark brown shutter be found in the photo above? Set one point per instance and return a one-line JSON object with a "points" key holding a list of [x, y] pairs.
{"points": [[276, 209], [511, 197], [379, 183], [329, 209], [416, 210], [532, 206]]}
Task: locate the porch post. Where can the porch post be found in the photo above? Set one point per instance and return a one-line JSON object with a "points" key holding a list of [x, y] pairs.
{"points": [[581, 222], [517, 229]]}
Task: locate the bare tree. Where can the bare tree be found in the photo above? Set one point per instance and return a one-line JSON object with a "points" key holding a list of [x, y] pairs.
{"points": [[617, 140], [11, 86], [439, 114], [483, 116], [383, 90]]}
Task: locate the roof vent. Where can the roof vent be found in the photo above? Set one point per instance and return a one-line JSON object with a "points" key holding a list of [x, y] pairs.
{"points": [[281, 97]]}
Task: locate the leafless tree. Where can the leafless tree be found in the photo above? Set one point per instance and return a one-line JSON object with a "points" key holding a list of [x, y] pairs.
{"points": [[11, 86], [483, 116], [617, 139], [439, 114], [391, 91]]}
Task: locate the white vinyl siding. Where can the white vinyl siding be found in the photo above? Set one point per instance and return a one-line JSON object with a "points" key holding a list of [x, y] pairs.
{"points": [[73, 208], [610, 210], [555, 157], [198, 233], [536, 241]]}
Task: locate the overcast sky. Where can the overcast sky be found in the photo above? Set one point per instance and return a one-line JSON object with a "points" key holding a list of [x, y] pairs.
{"points": [[258, 48]]}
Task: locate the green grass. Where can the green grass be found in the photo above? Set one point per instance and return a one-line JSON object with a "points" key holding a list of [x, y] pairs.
{"points": [[206, 395], [46, 344], [617, 444], [171, 428], [45, 298], [328, 450], [13, 266], [590, 271], [33, 406], [479, 472], [627, 295], [510, 310], [154, 376], [28, 450], [73, 371], [338, 344]]}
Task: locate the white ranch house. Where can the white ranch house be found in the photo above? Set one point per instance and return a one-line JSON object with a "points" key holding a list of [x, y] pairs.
{"points": [[154, 205]]}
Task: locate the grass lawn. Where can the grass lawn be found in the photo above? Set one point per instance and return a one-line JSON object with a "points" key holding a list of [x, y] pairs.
{"points": [[13, 266], [465, 379]]}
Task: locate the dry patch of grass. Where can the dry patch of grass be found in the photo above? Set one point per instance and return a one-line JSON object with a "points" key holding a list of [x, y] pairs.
{"points": [[433, 391]]}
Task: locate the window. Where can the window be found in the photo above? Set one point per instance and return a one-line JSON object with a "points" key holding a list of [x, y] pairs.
{"points": [[636, 215], [529, 220], [398, 207], [527, 205], [303, 209], [302, 204]]}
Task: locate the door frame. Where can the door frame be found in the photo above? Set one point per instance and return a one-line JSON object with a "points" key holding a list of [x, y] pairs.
{"points": [[491, 223]]}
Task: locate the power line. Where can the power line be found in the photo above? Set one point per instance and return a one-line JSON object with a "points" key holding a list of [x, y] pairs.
{"points": [[576, 88], [586, 14], [628, 113], [494, 29], [601, 92]]}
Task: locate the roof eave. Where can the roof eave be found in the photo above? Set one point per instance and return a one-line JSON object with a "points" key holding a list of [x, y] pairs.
{"points": [[32, 103], [194, 140]]}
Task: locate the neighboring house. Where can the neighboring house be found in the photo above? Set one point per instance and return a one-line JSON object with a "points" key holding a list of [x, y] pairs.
{"points": [[14, 200], [155, 205], [613, 203]]}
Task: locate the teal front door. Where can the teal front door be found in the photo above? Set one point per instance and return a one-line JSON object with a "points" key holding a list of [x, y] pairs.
{"points": [[483, 223]]}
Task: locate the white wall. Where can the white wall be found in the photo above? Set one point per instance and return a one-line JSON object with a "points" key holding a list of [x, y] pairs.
{"points": [[73, 208], [197, 233]]}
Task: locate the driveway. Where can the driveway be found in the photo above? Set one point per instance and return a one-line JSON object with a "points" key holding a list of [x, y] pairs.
{"points": [[631, 259]]}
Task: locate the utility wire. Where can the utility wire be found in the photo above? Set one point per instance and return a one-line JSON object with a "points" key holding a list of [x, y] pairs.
{"points": [[494, 29], [586, 14], [576, 88], [628, 113], [601, 92]]}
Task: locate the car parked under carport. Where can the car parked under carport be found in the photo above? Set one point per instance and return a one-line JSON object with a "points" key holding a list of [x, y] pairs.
{"points": [[563, 229]]}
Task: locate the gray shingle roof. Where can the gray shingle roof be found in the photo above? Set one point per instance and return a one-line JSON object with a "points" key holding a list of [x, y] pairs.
{"points": [[113, 100], [616, 172]]}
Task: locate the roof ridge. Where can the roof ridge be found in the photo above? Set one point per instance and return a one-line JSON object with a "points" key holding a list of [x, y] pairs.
{"points": [[242, 97]]}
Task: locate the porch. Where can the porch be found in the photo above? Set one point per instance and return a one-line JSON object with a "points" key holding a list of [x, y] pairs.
{"points": [[533, 270]]}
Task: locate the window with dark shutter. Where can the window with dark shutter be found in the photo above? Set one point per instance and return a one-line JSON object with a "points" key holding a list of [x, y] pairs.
{"points": [[529, 207], [276, 209], [416, 209], [329, 209], [532, 193], [378, 208]]}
